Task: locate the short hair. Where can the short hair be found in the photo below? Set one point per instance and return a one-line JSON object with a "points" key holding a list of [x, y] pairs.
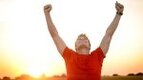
{"points": [[82, 36]]}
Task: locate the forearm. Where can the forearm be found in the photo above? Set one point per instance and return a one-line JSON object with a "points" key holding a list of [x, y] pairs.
{"points": [[51, 26], [113, 26], [105, 43]]}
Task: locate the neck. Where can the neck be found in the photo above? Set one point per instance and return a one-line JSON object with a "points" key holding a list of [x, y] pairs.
{"points": [[83, 51]]}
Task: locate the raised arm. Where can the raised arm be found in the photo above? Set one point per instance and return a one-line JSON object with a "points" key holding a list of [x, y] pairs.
{"points": [[53, 31], [105, 43]]}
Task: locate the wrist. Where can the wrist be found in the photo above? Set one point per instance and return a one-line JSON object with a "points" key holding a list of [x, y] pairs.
{"points": [[119, 13], [47, 13]]}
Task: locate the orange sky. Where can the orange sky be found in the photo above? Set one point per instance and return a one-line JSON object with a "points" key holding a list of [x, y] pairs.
{"points": [[27, 48]]}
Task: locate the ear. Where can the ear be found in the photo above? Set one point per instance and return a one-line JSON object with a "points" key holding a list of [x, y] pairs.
{"points": [[89, 48], [75, 46]]}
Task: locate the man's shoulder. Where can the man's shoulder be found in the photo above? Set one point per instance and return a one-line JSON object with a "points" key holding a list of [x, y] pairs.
{"points": [[68, 52], [98, 51]]}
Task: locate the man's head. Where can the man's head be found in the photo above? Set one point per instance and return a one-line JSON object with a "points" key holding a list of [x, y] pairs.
{"points": [[82, 44]]}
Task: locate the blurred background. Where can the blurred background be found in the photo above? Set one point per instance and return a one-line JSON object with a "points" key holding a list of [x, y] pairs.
{"points": [[27, 48]]}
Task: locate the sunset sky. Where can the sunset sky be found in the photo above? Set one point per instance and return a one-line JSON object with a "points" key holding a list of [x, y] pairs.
{"points": [[27, 48]]}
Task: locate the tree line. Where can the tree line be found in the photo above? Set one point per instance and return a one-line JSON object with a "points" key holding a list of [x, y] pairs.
{"points": [[43, 77]]}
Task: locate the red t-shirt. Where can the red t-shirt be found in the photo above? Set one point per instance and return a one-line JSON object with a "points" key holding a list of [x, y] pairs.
{"points": [[83, 67]]}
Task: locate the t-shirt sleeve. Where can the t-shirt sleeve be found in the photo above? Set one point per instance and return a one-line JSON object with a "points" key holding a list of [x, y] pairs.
{"points": [[67, 53], [99, 54]]}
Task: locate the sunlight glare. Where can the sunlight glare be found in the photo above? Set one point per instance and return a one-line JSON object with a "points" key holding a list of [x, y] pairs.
{"points": [[36, 70]]}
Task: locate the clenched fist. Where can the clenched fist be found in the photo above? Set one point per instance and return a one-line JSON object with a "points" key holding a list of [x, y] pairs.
{"points": [[119, 7], [47, 8]]}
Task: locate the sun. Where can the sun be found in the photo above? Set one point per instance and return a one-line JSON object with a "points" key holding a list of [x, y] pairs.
{"points": [[36, 70]]}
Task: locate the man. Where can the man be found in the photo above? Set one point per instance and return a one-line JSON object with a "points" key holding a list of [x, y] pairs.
{"points": [[81, 64]]}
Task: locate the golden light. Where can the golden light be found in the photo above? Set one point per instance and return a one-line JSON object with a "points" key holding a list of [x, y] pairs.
{"points": [[27, 47], [36, 70]]}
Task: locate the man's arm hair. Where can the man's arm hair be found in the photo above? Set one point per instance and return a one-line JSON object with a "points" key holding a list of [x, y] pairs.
{"points": [[105, 43], [60, 44]]}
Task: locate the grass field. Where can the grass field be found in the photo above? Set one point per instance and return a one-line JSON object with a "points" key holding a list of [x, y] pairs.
{"points": [[111, 78], [123, 78]]}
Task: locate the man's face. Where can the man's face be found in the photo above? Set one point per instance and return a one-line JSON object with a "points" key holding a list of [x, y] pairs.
{"points": [[82, 42]]}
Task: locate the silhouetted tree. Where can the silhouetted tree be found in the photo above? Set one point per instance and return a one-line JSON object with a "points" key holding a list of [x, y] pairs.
{"points": [[63, 75], [56, 76], [131, 74], [115, 75], [6, 78], [24, 77], [139, 74]]}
